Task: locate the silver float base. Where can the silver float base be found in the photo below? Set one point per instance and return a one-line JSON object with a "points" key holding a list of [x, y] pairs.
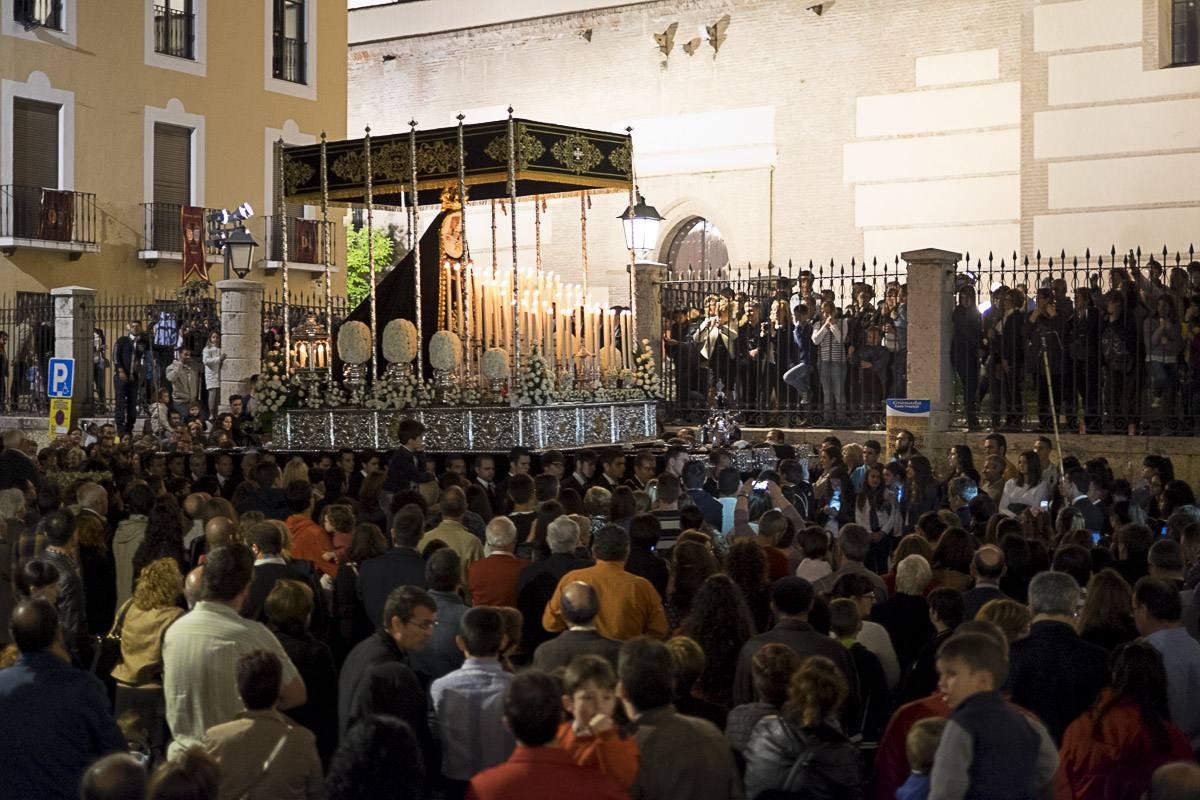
{"points": [[480, 429]]}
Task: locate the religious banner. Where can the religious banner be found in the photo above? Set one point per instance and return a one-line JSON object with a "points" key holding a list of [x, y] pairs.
{"points": [[57, 215], [907, 415], [191, 219], [306, 241]]}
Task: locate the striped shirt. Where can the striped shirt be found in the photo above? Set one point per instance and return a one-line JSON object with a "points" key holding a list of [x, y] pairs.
{"points": [[829, 341], [200, 655], [469, 705]]}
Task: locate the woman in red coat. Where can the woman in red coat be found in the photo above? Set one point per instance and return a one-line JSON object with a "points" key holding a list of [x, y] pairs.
{"points": [[1111, 751]]}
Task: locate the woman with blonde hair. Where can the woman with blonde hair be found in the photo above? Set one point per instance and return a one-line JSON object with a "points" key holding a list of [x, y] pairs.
{"points": [[807, 731], [1106, 618], [141, 623], [295, 470], [1010, 616]]}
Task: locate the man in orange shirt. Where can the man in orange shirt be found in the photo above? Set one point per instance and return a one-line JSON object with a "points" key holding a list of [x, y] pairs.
{"points": [[492, 581], [629, 604], [309, 540]]}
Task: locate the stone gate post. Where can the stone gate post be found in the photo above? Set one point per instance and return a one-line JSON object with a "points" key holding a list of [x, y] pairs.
{"points": [[241, 336], [930, 301], [74, 321]]}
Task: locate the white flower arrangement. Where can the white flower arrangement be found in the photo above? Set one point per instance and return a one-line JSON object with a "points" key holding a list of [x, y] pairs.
{"points": [[645, 372], [494, 364], [400, 342], [535, 386], [394, 394], [445, 351], [354, 342]]}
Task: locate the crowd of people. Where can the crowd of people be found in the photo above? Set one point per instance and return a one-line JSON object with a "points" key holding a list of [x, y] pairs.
{"points": [[870, 622]]}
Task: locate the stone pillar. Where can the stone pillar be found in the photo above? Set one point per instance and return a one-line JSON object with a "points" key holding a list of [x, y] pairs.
{"points": [[930, 301], [648, 280], [74, 321], [241, 336]]}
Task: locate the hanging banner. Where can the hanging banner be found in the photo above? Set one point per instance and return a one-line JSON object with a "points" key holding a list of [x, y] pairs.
{"points": [[191, 220], [60, 417], [907, 415], [306, 241], [57, 215]]}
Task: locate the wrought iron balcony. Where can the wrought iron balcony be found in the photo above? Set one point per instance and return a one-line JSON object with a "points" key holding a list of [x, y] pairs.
{"points": [[306, 241], [47, 219], [163, 232], [174, 32], [289, 60]]}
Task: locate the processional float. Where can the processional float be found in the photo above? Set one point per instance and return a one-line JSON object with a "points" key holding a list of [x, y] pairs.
{"points": [[488, 356]]}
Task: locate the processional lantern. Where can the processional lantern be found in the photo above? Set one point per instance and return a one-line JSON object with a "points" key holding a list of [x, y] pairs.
{"points": [[310, 345], [641, 223]]}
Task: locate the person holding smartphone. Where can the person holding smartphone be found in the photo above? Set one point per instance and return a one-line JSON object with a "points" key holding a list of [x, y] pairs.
{"points": [[1027, 490]]}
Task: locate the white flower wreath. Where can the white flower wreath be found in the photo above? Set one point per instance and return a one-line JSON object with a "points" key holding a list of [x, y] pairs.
{"points": [[495, 364], [354, 342], [400, 342], [445, 351]]}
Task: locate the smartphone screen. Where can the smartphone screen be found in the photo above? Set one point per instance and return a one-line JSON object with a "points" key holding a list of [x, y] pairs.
{"points": [[1095, 537], [1045, 504], [899, 492], [761, 486], [1163, 532], [835, 502]]}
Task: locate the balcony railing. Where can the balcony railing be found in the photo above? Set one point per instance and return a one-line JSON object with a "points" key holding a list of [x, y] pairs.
{"points": [[163, 228], [289, 60], [306, 240], [173, 32], [51, 219], [38, 14]]}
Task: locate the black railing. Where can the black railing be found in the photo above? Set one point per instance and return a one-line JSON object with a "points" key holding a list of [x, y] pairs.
{"points": [[300, 305], [174, 32], [163, 228], [733, 342], [47, 215], [38, 14], [1104, 343], [306, 240], [289, 61], [27, 329]]}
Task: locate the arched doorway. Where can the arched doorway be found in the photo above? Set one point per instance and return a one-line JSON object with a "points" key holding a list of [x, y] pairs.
{"points": [[697, 249]]}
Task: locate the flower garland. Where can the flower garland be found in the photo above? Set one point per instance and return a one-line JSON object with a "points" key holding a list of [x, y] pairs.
{"points": [[645, 372], [535, 386]]}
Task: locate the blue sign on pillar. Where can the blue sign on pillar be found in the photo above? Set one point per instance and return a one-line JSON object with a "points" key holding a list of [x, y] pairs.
{"points": [[60, 380]]}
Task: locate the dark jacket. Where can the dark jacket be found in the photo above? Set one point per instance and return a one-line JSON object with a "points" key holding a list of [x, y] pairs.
{"points": [[650, 566], [72, 607], [271, 502], [560, 651], [99, 574], [833, 768], [708, 505], [400, 566], [906, 618], [315, 664], [1055, 674], [402, 471], [15, 468], [683, 758], [350, 622], [56, 722], [265, 577], [1093, 515], [967, 339], [975, 599], [535, 587]]}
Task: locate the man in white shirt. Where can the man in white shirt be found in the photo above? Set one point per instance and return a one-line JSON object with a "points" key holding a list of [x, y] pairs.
{"points": [[201, 651]]}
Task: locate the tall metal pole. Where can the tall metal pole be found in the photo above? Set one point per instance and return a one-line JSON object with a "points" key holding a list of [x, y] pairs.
{"points": [[468, 271], [414, 196], [326, 252], [512, 202], [371, 248], [632, 252], [281, 210]]}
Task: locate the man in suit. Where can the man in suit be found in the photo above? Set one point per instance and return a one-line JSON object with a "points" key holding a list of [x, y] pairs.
{"points": [[492, 581], [520, 460], [1084, 493], [987, 568], [485, 478], [405, 468], [227, 475], [536, 584], [694, 475], [267, 545], [15, 466], [583, 478], [612, 464], [400, 566], [580, 605], [645, 467]]}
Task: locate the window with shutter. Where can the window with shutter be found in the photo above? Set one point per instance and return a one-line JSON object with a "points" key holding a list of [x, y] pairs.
{"points": [[35, 161], [172, 184]]}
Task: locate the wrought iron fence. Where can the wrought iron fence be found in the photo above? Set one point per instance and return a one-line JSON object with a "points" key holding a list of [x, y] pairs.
{"points": [[821, 345], [26, 346], [1100, 343], [47, 215], [300, 305], [173, 31]]}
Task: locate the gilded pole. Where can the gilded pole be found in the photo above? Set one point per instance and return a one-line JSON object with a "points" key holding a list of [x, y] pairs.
{"points": [[326, 252], [281, 210], [468, 271], [512, 202], [632, 252], [370, 196], [415, 226]]}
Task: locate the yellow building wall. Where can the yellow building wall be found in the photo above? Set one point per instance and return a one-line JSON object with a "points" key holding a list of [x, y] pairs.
{"points": [[113, 85]]}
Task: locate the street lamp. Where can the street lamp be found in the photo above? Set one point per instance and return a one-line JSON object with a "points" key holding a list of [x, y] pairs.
{"points": [[228, 232], [641, 223]]}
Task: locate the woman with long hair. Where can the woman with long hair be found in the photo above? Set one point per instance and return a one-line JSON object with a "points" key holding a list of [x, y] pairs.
{"points": [[691, 564], [143, 619], [920, 490], [746, 563], [720, 623], [98, 570], [960, 462], [164, 536], [1105, 618], [1027, 490], [350, 620], [1113, 750], [371, 490], [952, 558], [875, 509], [807, 731]]}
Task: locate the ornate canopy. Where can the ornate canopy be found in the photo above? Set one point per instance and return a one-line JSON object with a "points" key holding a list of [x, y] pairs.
{"points": [[549, 159]]}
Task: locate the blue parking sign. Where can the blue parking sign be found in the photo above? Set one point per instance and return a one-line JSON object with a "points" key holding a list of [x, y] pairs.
{"points": [[60, 377]]}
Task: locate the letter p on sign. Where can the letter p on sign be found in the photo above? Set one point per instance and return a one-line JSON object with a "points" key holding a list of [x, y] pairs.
{"points": [[61, 379]]}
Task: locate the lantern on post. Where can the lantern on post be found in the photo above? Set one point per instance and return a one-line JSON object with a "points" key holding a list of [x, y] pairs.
{"points": [[641, 223]]}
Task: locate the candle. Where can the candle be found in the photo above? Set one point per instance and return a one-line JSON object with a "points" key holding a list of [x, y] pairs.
{"points": [[608, 361]]}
